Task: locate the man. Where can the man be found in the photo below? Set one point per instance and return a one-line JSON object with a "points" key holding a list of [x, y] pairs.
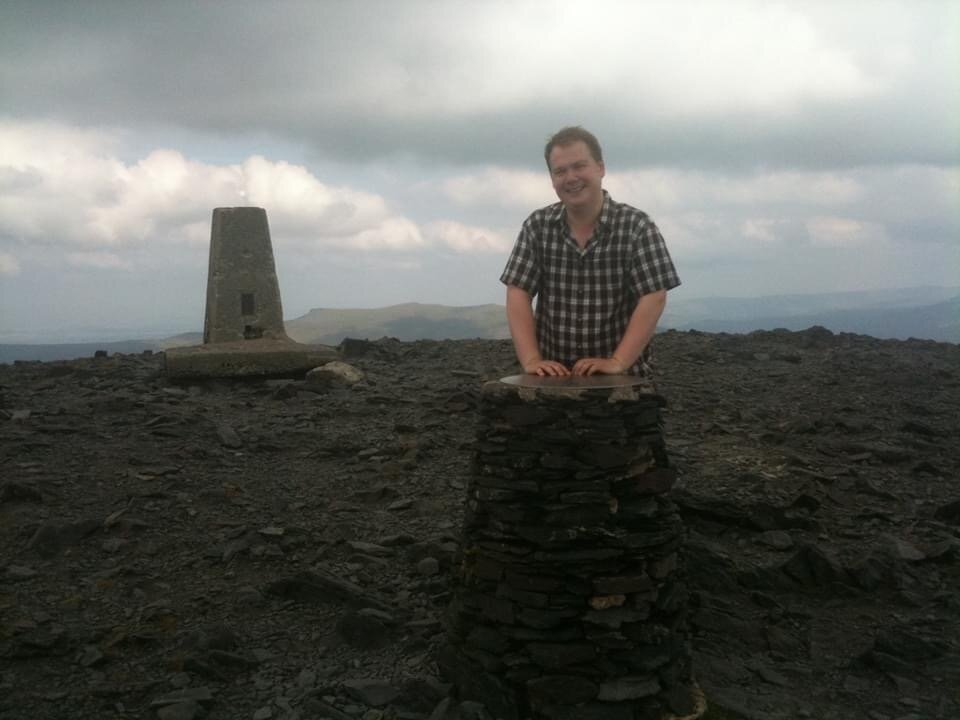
{"points": [[600, 271]]}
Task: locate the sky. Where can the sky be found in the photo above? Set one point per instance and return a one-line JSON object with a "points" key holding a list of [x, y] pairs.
{"points": [[781, 147]]}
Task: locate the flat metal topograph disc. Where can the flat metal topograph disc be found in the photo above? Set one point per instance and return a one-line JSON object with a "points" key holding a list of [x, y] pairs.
{"points": [[575, 382]]}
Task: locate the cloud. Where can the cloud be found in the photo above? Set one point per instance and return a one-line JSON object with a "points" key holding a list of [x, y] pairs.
{"points": [[738, 83], [9, 265], [500, 186], [102, 260], [842, 232], [466, 238], [62, 188], [676, 187]]}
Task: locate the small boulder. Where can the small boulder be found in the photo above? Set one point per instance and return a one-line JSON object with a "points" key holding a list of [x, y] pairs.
{"points": [[334, 373]]}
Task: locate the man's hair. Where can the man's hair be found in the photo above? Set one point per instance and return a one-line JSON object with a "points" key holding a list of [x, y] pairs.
{"points": [[572, 134]]}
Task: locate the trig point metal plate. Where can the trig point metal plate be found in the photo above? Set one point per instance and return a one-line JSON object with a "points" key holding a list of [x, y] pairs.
{"points": [[575, 381]]}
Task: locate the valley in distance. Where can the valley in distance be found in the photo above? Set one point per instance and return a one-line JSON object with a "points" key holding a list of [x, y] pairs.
{"points": [[929, 313]]}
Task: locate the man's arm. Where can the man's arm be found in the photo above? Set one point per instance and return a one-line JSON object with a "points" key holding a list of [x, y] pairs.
{"points": [[640, 329], [524, 334]]}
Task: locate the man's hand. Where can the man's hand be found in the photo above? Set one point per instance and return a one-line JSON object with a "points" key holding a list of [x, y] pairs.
{"points": [[599, 366], [546, 367]]}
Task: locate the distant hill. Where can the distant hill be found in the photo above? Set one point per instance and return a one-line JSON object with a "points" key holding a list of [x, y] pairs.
{"points": [[931, 313], [932, 322], [71, 351], [409, 321]]}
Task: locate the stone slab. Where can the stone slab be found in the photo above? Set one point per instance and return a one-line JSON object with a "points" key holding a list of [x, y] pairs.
{"points": [[575, 381], [616, 388], [246, 358]]}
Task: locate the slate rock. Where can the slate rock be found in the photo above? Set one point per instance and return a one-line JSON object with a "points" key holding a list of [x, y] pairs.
{"points": [[949, 512], [428, 567], [370, 691], [908, 645], [187, 710], [363, 632], [563, 689], [813, 566], [334, 373], [18, 492], [354, 347], [201, 695], [228, 436], [629, 688], [321, 586], [19, 572], [776, 539], [50, 540]]}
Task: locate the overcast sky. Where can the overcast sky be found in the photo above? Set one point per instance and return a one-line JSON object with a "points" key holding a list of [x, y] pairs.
{"points": [[397, 146]]}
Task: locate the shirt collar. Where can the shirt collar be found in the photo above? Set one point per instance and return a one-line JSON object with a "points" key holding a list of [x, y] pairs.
{"points": [[559, 212]]}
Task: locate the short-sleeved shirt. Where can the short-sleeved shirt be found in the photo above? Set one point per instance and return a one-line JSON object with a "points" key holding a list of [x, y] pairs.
{"points": [[585, 297]]}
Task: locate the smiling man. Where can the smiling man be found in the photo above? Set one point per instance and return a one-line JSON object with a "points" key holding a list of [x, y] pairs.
{"points": [[599, 269]]}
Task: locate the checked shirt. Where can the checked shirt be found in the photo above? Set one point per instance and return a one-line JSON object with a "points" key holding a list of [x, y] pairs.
{"points": [[585, 297]]}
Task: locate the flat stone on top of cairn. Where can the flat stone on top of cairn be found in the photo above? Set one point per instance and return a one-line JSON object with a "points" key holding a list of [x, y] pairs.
{"points": [[569, 599]]}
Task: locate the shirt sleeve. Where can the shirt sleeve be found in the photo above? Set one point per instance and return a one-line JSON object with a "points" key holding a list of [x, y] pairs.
{"points": [[523, 266], [652, 268]]}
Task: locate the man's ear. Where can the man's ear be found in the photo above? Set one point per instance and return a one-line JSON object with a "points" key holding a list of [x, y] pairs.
{"points": [[603, 169]]}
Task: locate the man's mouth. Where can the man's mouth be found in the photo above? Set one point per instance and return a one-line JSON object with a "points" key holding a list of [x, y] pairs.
{"points": [[574, 189]]}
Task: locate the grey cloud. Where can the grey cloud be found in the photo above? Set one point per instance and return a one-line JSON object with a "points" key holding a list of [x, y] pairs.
{"points": [[313, 73]]}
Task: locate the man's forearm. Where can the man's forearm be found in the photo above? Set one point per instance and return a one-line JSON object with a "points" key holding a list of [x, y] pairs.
{"points": [[522, 327], [640, 329]]}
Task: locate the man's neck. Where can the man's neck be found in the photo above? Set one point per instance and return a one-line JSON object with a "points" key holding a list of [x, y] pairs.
{"points": [[583, 220]]}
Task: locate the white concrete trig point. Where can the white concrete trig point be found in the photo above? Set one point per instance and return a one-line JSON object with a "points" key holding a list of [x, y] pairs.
{"points": [[243, 294]]}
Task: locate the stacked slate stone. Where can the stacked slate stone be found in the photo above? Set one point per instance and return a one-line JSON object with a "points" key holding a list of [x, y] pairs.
{"points": [[569, 601]]}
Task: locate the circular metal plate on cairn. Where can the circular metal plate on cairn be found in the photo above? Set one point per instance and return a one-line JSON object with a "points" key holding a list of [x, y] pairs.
{"points": [[574, 381]]}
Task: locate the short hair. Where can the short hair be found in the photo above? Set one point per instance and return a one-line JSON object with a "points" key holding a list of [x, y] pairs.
{"points": [[572, 134]]}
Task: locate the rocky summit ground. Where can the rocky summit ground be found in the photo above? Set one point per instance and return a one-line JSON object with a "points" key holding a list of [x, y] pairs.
{"points": [[269, 549]]}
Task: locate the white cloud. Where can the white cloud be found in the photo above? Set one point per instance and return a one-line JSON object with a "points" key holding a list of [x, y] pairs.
{"points": [[480, 58], [503, 187], [102, 260], [841, 232], [668, 188], [393, 233], [62, 188], [9, 265], [761, 230], [466, 238]]}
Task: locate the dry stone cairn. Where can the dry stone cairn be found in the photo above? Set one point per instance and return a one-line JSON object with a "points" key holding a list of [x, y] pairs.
{"points": [[569, 600]]}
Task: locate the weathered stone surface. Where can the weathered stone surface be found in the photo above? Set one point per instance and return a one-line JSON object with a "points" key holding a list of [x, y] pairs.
{"points": [[582, 550], [563, 689], [245, 358], [629, 688], [334, 373], [94, 437], [371, 691], [243, 295], [363, 631]]}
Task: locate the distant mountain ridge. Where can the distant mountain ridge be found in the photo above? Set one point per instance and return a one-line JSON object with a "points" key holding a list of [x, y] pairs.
{"points": [[408, 321], [939, 322], [931, 313]]}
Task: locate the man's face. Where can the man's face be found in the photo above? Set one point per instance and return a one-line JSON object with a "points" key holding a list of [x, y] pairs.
{"points": [[576, 175]]}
